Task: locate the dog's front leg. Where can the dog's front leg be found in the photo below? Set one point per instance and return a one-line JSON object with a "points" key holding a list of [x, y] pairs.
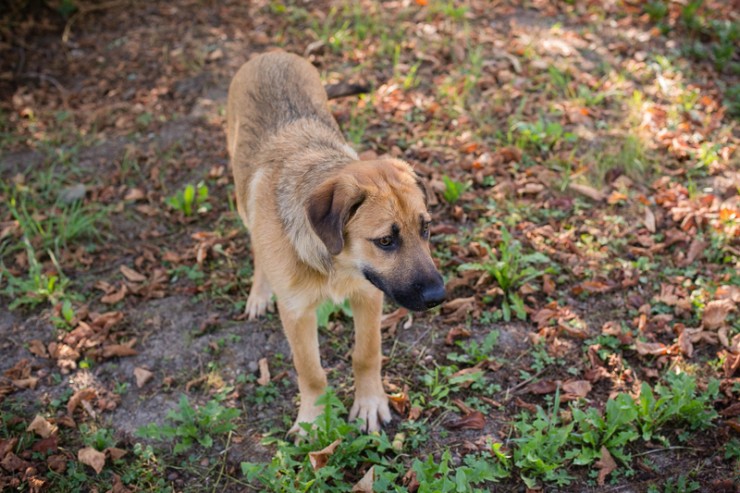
{"points": [[302, 333], [371, 402]]}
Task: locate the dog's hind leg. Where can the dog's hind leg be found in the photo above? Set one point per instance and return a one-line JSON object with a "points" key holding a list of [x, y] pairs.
{"points": [[371, 402], [259, 300]]}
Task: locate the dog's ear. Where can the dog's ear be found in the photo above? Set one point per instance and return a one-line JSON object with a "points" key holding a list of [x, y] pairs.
{"points": [[329, 209]]}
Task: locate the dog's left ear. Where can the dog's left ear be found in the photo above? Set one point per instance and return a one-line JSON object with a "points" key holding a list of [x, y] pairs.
{"points": [[329, 209]]}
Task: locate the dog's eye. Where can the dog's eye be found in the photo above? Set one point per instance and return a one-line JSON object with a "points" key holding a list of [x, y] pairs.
{"points": [[425, 230], [386, 242]]}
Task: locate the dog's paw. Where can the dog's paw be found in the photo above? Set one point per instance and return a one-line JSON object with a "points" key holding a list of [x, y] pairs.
{"points": [[258, 304], [305, 415], [372, 410]]}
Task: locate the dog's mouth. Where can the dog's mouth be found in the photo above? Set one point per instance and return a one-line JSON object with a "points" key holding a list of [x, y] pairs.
{"points": [[419, 295]]}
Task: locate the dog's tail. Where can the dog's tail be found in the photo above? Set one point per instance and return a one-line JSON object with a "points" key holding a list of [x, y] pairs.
{"points": [[342, 89]]}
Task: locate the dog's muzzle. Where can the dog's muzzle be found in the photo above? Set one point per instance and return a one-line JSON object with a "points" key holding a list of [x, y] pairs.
{"points": [[421, 294]]}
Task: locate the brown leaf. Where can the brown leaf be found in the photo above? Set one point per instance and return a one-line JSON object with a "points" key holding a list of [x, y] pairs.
{"points": [[649, 220], [471, 421], [46, 446], [696, 249], [684, 343], [115, 296], [41, 426], [577, 388], [653, 348], [365, 485], [91, 457], [414, 413], [715, 313], [26, 383], [400, 402], [37, 348], [115, 453], [142, 376], [320, 458], [542, 387], [391, 320], [7, 446], [57, 463], [131, 274], [12, 463], [264, 377], [134, 194], [606, 465], [120, 350], [456, 333], [86, 394], [589, 192]]}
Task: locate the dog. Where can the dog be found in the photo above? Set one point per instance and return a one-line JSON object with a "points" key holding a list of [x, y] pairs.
{"points": [[323, 225]]}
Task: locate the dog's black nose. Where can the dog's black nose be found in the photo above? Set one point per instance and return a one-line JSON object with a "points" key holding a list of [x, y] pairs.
{"points": [[433, 293]]}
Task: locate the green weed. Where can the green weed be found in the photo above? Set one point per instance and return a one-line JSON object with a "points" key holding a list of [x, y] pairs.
{"points": [[453, 189], [192, 199], [475, 352], [38, 287], [329, 310], [541, 135], [511, 270], [191, 425]]}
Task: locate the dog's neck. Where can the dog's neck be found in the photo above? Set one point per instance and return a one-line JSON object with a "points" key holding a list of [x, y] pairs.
{"points": [[316, 154]]}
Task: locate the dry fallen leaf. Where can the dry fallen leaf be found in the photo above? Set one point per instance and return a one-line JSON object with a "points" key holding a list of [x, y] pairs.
{"points": [[471, 421], [400, 402], [264, 378], [142, 376], [86, 394], [606, 465], [576, 388], [653, 348], [319, 458], [120, 350], [589, 192], [41, 426], [131, 274], [91, 457], [365, 485], [37, 348], [115, 296], [115, 453], [715, 313]]}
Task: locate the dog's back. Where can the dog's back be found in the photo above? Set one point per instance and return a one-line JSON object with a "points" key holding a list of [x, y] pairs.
{"points": [[271, 91]]}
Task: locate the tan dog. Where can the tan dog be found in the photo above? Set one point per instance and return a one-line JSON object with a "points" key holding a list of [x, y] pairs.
{"points": [[323, 224]]}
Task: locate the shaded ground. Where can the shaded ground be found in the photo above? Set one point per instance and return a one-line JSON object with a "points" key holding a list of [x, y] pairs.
{"points": [[583, 131]]}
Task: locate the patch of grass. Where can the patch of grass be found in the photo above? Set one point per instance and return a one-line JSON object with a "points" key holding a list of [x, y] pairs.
{"points": [[291, 469], [191, 425], [546, 444]]}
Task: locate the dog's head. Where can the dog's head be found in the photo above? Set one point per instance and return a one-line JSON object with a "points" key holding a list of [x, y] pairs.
{"points": [[372, 216]]}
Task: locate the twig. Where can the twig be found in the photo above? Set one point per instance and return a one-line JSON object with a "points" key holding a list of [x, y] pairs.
{"points": [[521, 384], [86, 9], [223, 463], [48, 78], [665, 449]]}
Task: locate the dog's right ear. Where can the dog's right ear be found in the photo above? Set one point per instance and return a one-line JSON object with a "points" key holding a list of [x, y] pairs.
{"points": [[329, 209]]}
